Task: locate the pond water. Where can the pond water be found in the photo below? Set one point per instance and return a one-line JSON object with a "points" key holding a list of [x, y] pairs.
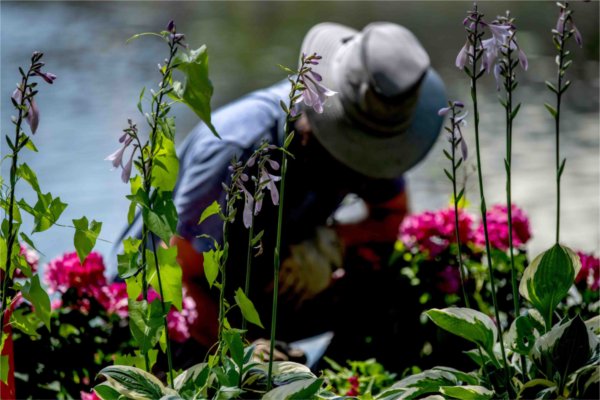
{"points": [[100, 77]]}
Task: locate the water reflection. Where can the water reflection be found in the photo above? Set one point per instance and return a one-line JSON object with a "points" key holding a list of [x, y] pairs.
{"points": [[100, 78]]}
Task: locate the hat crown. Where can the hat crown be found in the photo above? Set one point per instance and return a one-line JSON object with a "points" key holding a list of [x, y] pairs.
{"points": [[393, 58]]}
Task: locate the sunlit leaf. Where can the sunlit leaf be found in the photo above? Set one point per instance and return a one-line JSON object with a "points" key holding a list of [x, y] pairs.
{"points": [[212, 259], [467, 392], [247, 308], [146, 323], [37, 296], [85, 236], [170, 274], [213, 209]]}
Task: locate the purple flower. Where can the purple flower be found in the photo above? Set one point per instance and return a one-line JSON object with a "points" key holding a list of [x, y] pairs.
{"points": [[314, 94], [269, 180], [578, 37], [171, 26], [523, 60], [248, 206], [463, 56], [448, 280], [47, 76], [126, 173], [443, 111], [33, 115], [117, 157]]}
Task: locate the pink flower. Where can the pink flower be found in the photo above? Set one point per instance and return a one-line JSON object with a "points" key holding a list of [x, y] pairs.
{"points": [[89, 396], [590, 270], [448, 280], [434, 231], [113, 298], [66, 272], [497, 220], [31, 257]]}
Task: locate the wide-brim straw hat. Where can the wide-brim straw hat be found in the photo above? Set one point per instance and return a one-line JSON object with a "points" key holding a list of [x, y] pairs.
{"points": [[383, 119]]}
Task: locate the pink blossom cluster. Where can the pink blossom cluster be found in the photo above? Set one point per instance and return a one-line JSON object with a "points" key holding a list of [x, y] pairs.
{"points": [[433, 231], [590, 271], [66, 272], [32, 259], [497, 221]]}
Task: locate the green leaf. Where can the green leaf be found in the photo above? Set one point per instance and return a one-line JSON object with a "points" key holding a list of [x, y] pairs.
{"points": [[565, 348], [26, 322], [170, 274], [211, 210], [46, 211], [197, 89], [134, 383], [233, 339], [146, 323], [166, 127], [515, 111], [211, 262], [105, 392], [27, 174], [31, 146], [256, 239], [284, 372], [85, 236], [165, 166], [248, 311], [137, 360], [158, 225], [4, 368], [429, 381], [300, 390], [37, 296], [551, 87], [288, 140], [546, 281], [3, 253], [469, 324], [550, 109], [467, 392], [192, 379], [127, 265]]}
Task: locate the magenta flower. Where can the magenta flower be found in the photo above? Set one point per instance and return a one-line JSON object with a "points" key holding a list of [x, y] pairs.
{"points": [[448, 280], [89, 396], [179, 322], [497, 221], [66, 272], [432, 232], [589, 272], [113, 298]]}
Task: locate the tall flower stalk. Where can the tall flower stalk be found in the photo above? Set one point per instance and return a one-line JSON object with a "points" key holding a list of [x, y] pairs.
{"points": [[478, 53], [456, 139], [305, 87], [23, 99], [565, 29]]}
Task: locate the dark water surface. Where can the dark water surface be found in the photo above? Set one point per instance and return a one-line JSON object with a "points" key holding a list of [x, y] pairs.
{"points": [[100, 78]]}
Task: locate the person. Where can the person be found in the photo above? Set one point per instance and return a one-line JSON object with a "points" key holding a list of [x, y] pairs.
{"points": [[381, 122]]}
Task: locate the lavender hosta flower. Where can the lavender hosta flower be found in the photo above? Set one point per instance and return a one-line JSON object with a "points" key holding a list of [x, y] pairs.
{"points": [[463, 56], [47, 76], [248, 207], [269, 180], [117, 157], [126, 173], [314, 94], [33, 115], [565, 21]]}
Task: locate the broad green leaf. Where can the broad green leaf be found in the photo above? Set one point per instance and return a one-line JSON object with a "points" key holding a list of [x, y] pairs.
{"points": [[146, 322], [26, 322], [585, 382], [211, 210], [300, 390], [165, 165], [37, 296], [429, 381], [192, 379], [565, 348], [247, 308], [158, 225], [211, 261], [469, 324], [197, 89], [521, 335], [134, 383], [284, 372], [166, 127], [234, 343], [467, 392], [46, 211], [546, 281], [27, 174], [4, 367], [127, 263], [170, 274], [85, 236], [136, 184], [134, 287], [105, 392]]}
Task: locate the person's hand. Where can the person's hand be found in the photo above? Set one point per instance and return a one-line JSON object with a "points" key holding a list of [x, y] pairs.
{"points": [[282, 352]]}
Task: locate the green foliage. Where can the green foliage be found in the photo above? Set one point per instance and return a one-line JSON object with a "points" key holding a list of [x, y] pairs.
{"points": [[546, 281], [166, 165], [4, 369], [298, 390], [170, 274], [33, 291], [134, 383], [247, 308], [46, 211], [146, 323], [469, 324], [85, 236], [213, 209], [197, 89], [211, 262], [467, 392]]}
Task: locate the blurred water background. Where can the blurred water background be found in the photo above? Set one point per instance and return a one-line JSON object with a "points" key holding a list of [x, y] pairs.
{"points": [[100, 77]]}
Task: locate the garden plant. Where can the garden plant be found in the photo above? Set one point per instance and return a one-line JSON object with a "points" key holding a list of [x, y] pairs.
{"points": [[529, 327]]}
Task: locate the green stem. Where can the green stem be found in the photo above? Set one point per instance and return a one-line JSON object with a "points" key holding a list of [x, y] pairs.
{"points": [[561, 56], [164, 310], [248, 264], [276, 257], [473, 75], [6, 282]]}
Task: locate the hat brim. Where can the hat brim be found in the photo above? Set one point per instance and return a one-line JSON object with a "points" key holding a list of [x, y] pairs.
{"points": [[368, 154]]}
